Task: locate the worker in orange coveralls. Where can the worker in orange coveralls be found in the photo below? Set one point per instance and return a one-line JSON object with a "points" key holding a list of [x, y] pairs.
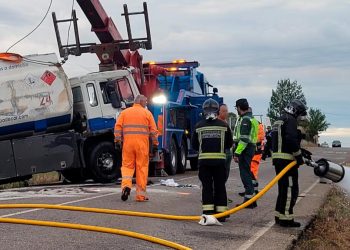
{"points": [[255, 163], [134, 127]]}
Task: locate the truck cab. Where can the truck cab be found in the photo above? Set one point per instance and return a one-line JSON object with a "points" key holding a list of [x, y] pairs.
{"points": [[98, 99]]}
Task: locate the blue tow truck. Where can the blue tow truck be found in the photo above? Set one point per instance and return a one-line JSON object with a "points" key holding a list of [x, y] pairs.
{"points": [[177, 108]]}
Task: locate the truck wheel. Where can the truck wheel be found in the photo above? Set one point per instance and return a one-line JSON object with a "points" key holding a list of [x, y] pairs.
{"points": [[74, 175], [182, 162], [194, 163], [171, 159], [103, 163]]}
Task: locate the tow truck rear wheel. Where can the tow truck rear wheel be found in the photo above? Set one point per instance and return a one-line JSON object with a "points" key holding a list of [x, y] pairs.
{"points": [[171, 159], [182, 161], [103, 163]]}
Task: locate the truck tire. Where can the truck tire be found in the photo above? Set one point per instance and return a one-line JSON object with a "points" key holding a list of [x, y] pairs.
{"points": [[171, 159], [103, 163], [182, 161], [194, 163], [74, 175]]}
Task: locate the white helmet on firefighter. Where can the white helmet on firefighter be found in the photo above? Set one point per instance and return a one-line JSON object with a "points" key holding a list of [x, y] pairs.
{"points": [[210, 109]]}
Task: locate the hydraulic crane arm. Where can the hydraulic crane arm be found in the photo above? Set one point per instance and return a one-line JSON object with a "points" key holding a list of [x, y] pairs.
{"points": [[103, 26], [113, 52]]}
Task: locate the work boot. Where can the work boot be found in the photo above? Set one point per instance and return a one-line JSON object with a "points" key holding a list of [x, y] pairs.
{"points": [[241, 194], [277, 220], [289, 223], [251, 206], [141, 198], [125, 193]]}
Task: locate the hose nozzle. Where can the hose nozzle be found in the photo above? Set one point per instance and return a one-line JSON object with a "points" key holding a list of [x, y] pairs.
{"points": [[327, 169]]}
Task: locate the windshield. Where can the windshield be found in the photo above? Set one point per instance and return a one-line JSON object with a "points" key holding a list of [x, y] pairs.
{"points": [[123, 88]]}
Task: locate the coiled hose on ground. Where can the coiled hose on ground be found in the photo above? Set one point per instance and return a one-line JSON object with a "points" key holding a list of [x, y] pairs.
{"points": [[130, 213]]}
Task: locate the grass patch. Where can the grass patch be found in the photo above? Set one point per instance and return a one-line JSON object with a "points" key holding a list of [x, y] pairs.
{"points": [[330, 228], [44, 178], [37, 179], [16, 184]]}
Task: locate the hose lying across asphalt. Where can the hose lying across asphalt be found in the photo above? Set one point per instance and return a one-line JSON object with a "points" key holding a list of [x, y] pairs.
{"points": [[130, 213]]}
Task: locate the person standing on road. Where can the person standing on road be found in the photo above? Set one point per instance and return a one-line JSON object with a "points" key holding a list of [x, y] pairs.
{"points": [[267, 148], [211, 138], [223, 115], [286, 149], [134, 128], [245, 133], [255, 163]]}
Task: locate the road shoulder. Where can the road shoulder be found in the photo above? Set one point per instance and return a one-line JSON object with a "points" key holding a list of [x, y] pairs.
{"points": [[275, 237]]}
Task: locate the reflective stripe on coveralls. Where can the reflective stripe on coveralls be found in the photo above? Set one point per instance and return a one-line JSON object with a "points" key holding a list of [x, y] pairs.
{"points": [[287, 215], [134, 127], [279, 154], [208, 208]]}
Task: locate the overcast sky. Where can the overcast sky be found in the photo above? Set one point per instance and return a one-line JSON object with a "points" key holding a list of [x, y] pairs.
{"points": [[244, 47]]}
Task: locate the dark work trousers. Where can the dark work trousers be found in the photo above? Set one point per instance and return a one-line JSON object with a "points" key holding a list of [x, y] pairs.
{"points": [[244, 161], [288, 190], [229, 154], [213, 178]]}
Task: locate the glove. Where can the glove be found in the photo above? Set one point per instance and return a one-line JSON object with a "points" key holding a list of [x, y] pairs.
{"points": [[234, 145], [118, 146], [236, 158], [300, 160]]}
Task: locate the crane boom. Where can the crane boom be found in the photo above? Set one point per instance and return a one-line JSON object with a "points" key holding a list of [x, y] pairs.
{"points": [[113, 52], [103, 26]]}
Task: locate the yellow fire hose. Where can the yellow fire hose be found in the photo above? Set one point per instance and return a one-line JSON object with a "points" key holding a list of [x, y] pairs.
{"points": [[131, 213], [95, 229]]}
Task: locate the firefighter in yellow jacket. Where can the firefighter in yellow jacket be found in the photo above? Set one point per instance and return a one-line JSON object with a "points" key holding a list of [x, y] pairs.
{"points": [[134, 127]]}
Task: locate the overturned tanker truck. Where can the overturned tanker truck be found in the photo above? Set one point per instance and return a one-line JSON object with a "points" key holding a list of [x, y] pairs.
{"points": [[50, 123]]}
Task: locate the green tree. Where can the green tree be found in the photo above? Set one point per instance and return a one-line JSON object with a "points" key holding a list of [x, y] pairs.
{"points": [[316, 123], [285, 92]]}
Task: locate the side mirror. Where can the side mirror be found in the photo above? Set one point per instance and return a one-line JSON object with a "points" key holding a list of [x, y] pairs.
{"points": [[215, 91], [113, 96]]}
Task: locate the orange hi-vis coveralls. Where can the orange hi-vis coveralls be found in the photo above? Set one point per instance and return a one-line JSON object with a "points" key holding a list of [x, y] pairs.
{"points": [[254, 165], [134, 127]]}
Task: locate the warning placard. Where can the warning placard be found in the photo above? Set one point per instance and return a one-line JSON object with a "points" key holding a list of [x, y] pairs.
{"points": [[48, 77]]}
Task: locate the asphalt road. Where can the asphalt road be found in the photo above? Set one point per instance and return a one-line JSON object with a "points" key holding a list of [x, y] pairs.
{"points": [[247, 229]]}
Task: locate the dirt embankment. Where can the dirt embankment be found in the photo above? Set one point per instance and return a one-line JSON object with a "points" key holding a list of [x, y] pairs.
{"points": [[330, 229]]}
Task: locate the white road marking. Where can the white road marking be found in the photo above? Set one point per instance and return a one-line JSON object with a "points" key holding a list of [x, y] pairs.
{"points": [[90, 198], [263, 230], [65, 203]]}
